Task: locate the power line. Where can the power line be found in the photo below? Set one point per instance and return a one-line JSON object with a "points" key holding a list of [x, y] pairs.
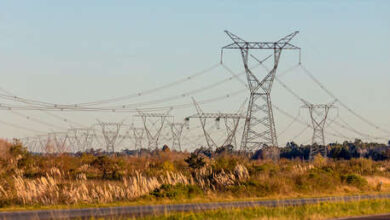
{"points": [[21, 127], [305, 102], [311, 76], [51, 114], [105, 101], [35, 120]]}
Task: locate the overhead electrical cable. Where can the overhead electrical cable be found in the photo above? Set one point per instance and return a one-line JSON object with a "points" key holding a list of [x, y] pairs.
{"points": [[305, 102], [21, 127], [36, 120], [183, 95], [290, 124], [48, 113], [113, 108], [175, 83], [311, 76], [105, 101]]}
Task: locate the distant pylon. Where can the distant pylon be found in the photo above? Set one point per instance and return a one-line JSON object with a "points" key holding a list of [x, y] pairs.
{"points": [[138, 135], [59, 140], [259, 129], [80, 139], [318, 115], [231, 123], [154, 127], [45, 144], [110, 131], [177, 131]]}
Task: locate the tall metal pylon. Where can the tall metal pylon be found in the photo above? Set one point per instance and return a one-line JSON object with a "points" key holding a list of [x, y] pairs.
{"points": [[259, 128], [110, 131], [177, 131], [138, 135], [122, 139], [45, 144], [59, 140], [318, 115], [231, 123], [154, 127], [80, 139]]}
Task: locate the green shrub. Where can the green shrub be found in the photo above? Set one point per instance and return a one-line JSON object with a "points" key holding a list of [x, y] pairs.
{"points": [[354, 180]]}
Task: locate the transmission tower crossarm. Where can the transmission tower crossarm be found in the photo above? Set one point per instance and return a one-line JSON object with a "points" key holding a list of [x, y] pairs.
{"points": [[262, 46], [283, 43], [288, 38], [236, 39]]}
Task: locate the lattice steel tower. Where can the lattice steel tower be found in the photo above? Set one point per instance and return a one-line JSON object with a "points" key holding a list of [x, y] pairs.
{"points": [[231, 123], [259, 129], [318, 115], [153, 124], [110, 132]]}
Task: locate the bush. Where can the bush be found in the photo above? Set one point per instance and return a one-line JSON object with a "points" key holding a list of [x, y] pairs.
{"points": [[177, 191], [354, 180], [195, 161], [110, 168]]}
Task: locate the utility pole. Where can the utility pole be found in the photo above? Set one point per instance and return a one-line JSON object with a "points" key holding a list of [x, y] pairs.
{"points": [[259, 128], [318, 115], [231, 123], [153, 124]]}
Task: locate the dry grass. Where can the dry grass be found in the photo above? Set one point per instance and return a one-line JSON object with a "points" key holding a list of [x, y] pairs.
{"points": [[55, 188], [4, 149], [87, 179]]}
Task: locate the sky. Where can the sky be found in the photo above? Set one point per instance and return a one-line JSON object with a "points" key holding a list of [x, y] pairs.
{"points": [[80, 51]]}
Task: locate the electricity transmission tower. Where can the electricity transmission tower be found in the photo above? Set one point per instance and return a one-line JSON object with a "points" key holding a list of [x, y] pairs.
{"points": [[153, 124], [110, 131], [318, 115], [59, 140], [231, 123], [259, 128], [138, 135], [80, 139], [45, 144], [177, 131]]}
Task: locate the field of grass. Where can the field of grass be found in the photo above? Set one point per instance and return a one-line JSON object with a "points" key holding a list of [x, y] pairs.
{"points": [[29, 181], [307, 212]]}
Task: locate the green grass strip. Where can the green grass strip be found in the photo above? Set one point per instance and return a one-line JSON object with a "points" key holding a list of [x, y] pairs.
{"points": [[316, 211]]}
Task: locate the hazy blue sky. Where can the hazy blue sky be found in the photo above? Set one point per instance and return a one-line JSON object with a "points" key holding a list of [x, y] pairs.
{"points": [[75, 51]]}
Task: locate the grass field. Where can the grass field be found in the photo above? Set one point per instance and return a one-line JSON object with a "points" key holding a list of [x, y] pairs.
{"points": [[306, 212], [56, 181]]}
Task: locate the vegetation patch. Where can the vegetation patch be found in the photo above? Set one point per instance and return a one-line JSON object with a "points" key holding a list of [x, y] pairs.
{"points": [[94, 177], [305, 212]]}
